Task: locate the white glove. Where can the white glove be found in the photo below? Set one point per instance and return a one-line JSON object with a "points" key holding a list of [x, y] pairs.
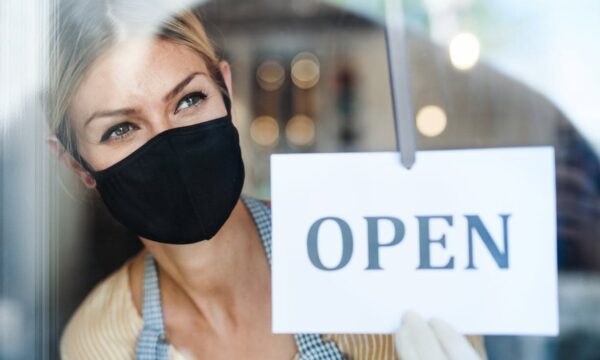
{"points": [[434, 340]]}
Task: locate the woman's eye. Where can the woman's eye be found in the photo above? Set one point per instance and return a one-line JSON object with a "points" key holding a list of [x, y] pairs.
{"points": [[190, 100], [117, 132]]}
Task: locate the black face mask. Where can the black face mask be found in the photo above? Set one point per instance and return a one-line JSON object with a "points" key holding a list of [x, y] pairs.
{"points": [[181, 186]]}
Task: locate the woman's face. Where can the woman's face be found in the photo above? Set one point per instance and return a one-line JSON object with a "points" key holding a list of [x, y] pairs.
{"points": [[137, 90]]}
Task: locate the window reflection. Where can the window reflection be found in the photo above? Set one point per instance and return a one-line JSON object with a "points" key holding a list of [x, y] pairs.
{"points": [[311, 76], [314, 79]]}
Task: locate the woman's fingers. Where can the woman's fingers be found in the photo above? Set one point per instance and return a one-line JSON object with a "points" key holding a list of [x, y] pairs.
{"points": [[405, 349], [453, 344], [434, 340], [416, 340]]}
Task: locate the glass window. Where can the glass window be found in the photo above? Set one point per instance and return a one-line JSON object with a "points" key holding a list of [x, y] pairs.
{"points": [[309, 76]]}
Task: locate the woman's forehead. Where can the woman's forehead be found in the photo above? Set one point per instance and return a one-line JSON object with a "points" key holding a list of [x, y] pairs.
{"points": [[134, 69]]}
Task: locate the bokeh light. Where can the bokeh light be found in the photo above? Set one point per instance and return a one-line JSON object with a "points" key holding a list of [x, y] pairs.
{"points": [[300, 130], [431, 121], [270, 75], [464, 51], [306, 70], [264, 131]]}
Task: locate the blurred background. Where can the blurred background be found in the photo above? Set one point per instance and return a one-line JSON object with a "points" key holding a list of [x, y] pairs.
{"points": [[312, 76]]}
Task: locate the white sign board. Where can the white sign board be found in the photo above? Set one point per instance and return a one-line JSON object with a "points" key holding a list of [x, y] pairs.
{"points": [[468, 236]]}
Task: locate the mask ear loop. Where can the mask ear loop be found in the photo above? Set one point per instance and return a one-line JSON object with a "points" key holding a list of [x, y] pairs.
{"points": [[60, 135], [223, 90], [227, 102]]}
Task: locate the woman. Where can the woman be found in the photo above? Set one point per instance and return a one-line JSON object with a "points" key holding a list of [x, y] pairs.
{"points": [[142, 114]]}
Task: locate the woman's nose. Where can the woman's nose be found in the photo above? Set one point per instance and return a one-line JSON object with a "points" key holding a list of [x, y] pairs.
{"points": [[158, 125]]}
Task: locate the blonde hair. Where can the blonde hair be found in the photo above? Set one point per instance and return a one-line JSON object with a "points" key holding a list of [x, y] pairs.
{"points": [[85, 29]]}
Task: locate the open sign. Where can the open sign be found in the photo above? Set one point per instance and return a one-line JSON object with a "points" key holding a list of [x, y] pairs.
{"points": [[468, 236]]}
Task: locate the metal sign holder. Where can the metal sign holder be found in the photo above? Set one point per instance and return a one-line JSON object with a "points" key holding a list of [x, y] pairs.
{"points": [[398, 63]]}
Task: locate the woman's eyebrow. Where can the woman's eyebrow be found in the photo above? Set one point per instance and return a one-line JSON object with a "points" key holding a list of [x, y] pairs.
{"points": [[128, 111], [182, 85], [119, 112]]}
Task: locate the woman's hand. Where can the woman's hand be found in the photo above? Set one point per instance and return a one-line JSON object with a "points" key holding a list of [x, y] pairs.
{"points": [[434, 340]]}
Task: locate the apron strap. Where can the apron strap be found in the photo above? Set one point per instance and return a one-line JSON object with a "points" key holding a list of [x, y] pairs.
{"points": [[151, 343], [261, 214]]}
